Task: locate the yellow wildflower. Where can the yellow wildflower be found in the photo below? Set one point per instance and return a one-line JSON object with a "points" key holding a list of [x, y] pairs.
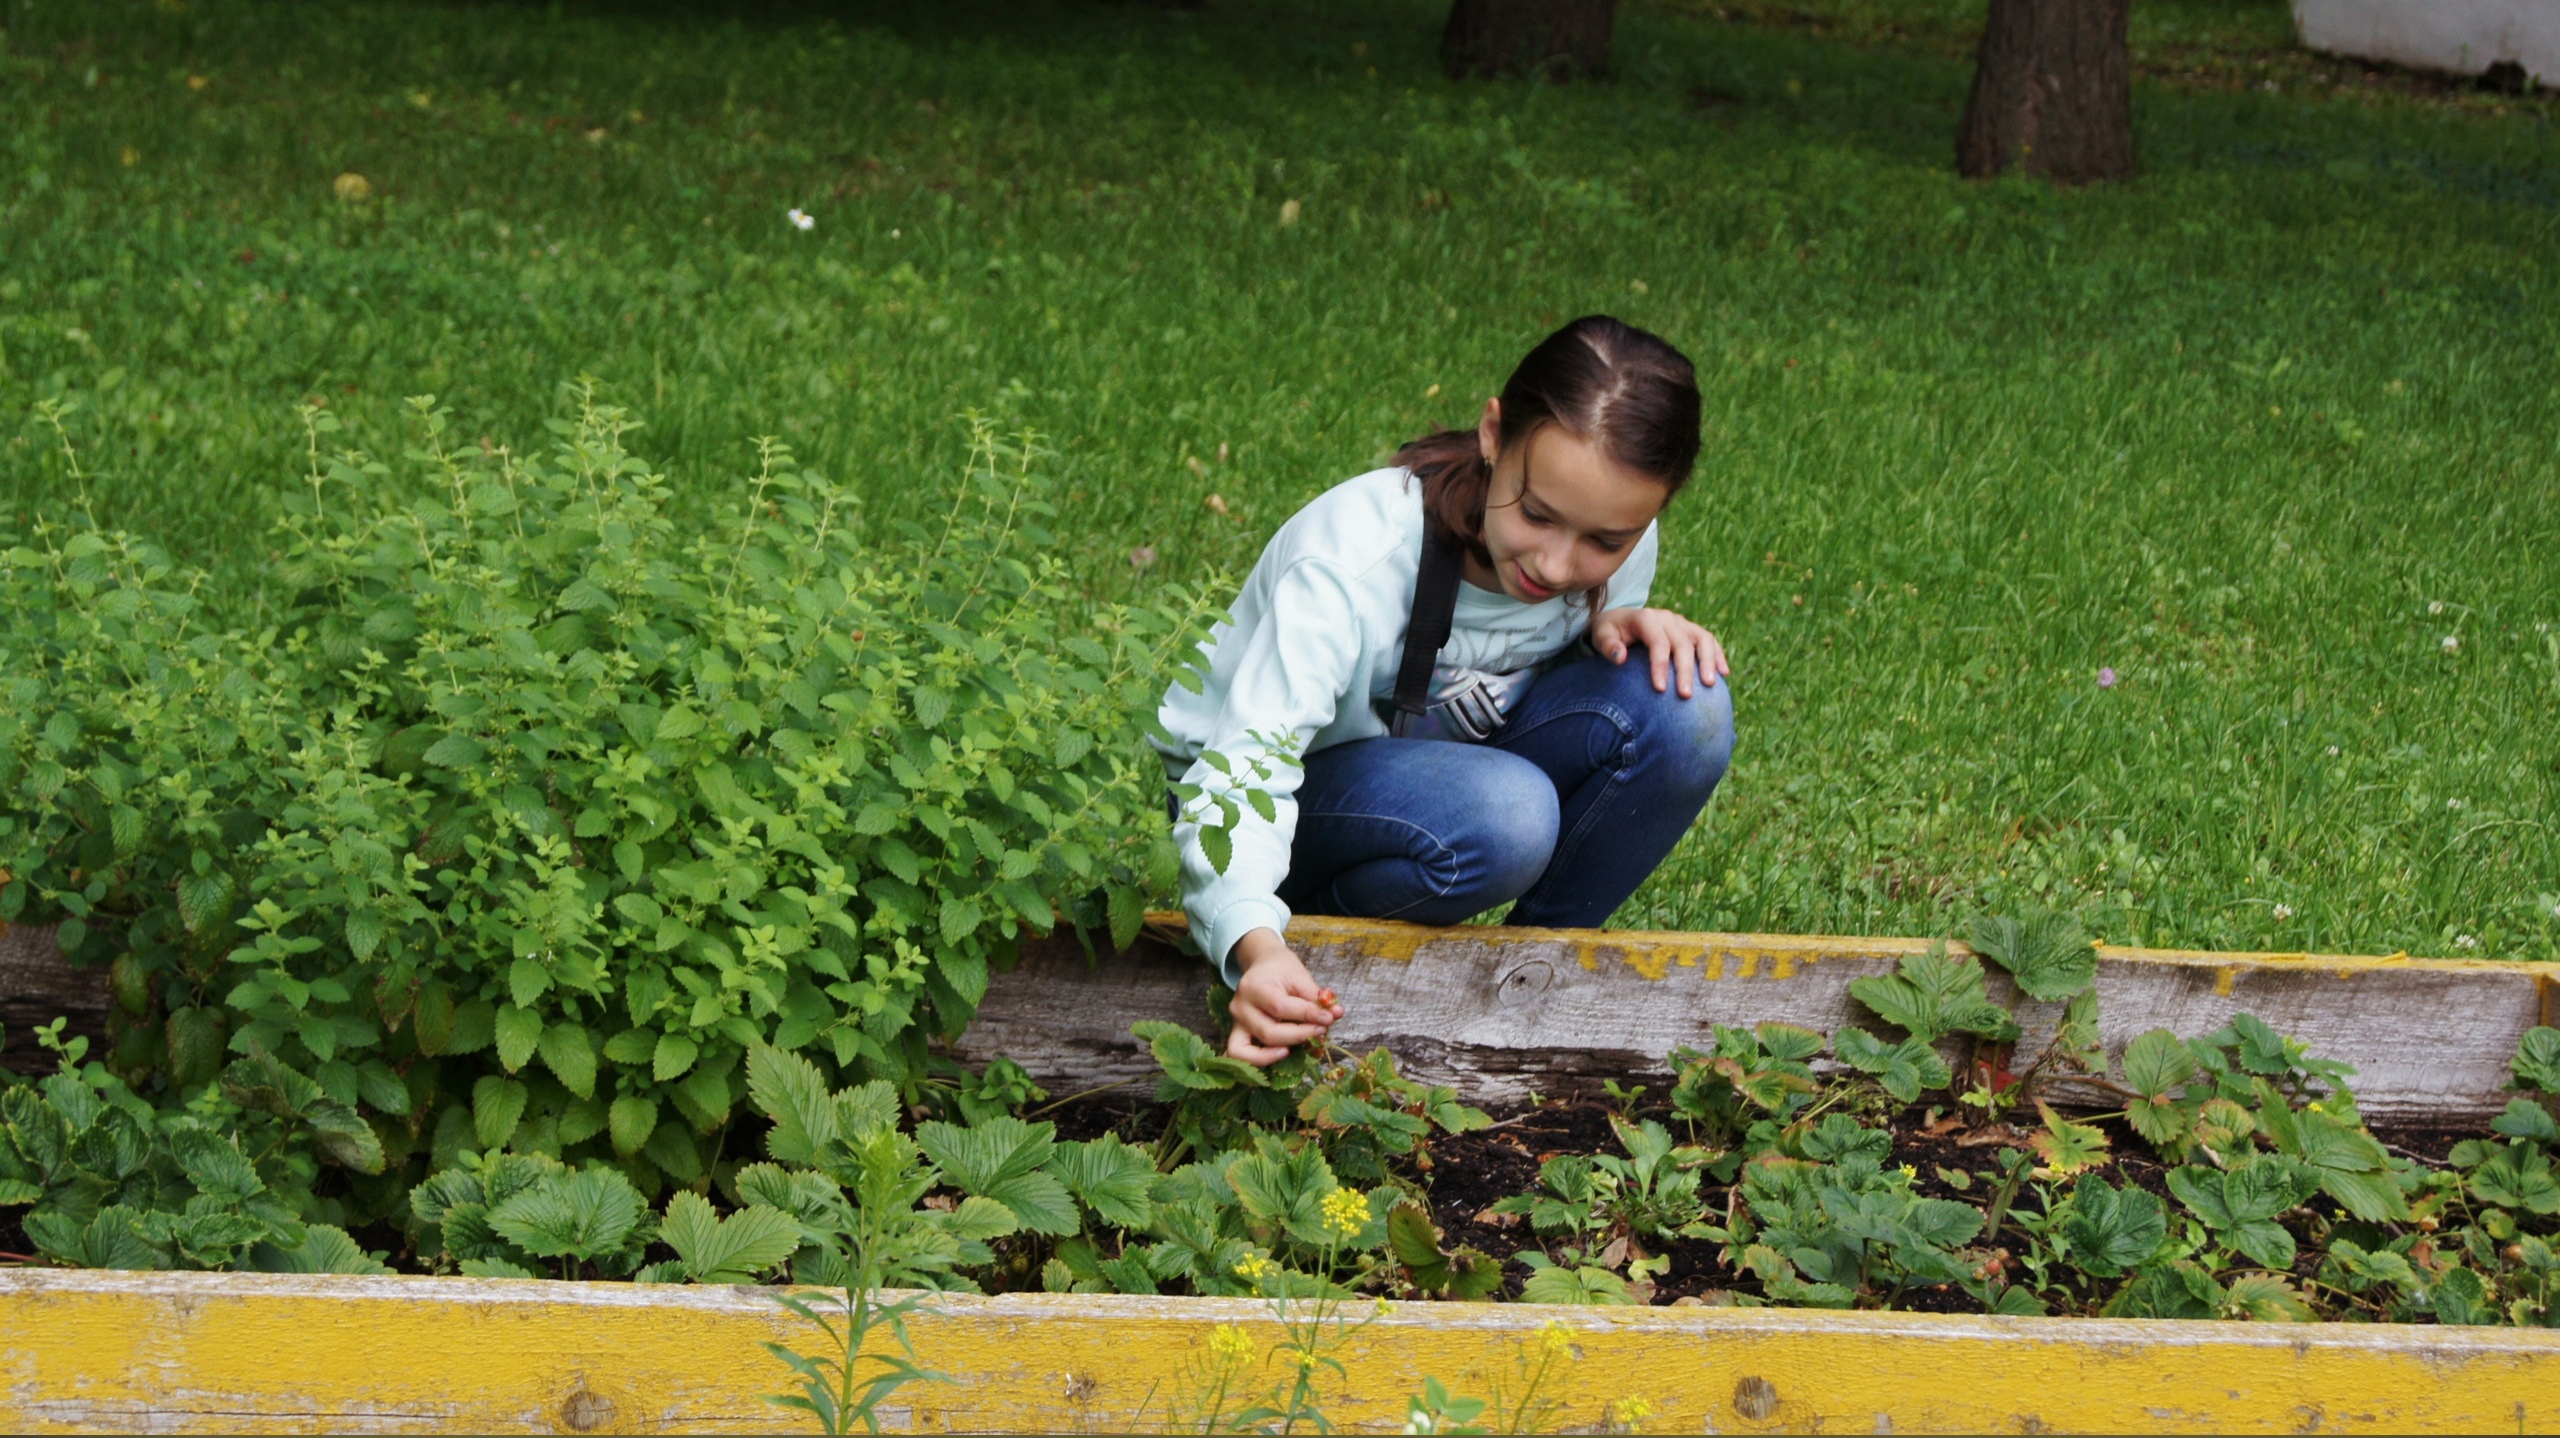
{"points": [[1630, 1411], [1252, 1267], [1553, 1341], [1345, 1213], [1230, 1343]]}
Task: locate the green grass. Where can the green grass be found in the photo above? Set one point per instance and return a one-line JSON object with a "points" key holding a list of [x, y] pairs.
{"points": [[2259, 431]]}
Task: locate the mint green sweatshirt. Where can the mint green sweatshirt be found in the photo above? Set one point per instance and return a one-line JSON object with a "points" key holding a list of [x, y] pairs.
{"points": [[1309, 655]]}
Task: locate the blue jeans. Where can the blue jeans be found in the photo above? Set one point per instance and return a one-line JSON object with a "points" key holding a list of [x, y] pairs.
{"points": [[1567, 808]]}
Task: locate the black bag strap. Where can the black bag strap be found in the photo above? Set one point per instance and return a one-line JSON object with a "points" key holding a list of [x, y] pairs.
{"points": [[1435, 604]]}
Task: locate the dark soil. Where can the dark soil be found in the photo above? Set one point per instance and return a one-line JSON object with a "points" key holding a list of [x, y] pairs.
{"points": [[1083, 1120], [14, 1245]]}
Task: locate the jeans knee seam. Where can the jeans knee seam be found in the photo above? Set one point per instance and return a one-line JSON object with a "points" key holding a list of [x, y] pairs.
{"points": [[1439, 867]]}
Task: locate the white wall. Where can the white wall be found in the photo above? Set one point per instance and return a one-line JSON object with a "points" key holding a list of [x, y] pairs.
{"points": [[2462, 37]]}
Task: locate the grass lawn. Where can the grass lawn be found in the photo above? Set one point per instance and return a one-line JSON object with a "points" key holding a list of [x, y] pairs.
{"points": [[2269, 432]]}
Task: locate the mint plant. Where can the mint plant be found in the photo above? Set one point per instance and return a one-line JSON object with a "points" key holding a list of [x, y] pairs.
{"points": [[529, 809]]}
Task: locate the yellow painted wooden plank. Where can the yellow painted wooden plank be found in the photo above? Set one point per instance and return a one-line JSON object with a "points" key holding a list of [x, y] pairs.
{"points": [[1653, 951], [92, 1352]]}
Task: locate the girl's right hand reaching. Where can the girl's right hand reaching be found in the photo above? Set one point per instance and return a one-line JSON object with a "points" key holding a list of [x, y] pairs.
{"points": [[1278, 1004]]}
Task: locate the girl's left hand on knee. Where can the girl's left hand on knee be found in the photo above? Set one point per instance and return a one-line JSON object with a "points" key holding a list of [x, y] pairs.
{"points": [[1678, 649]]}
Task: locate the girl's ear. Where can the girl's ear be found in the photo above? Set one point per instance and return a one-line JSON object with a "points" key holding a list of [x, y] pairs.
{"points": [[1489, 430]]}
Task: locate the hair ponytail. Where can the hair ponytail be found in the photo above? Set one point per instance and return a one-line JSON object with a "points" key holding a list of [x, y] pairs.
{"points": [[1455, 478], [1616, 386]]}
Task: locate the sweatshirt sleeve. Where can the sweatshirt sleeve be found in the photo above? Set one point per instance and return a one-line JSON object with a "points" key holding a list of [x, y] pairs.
{"points": [[1296, 665]]}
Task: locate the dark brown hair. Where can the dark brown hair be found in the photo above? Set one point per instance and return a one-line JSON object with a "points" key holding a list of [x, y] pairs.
{"points": [[1605, 381]]}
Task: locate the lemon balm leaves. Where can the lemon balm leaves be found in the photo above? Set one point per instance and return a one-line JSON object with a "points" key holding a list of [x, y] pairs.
{"points": [[529, 767]]}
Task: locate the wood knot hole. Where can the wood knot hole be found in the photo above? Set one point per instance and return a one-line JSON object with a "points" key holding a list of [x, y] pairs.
{"points": [[585, 1411], [1755, 1398], [1526, 981]]}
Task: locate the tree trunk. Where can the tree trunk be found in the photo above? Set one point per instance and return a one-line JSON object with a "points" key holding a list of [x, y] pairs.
{"points": [[2052, 92], [1561, 38]]}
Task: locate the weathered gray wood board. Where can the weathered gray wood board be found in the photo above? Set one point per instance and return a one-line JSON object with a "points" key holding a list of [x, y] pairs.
{"points": [[1502, 1012], [39, 985]]}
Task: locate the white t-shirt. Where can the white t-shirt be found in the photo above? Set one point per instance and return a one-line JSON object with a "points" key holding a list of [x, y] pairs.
{"points": [[1308, 656]]}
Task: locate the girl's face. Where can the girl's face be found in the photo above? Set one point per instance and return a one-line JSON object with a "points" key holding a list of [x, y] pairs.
{"points": [[1561, 516]]}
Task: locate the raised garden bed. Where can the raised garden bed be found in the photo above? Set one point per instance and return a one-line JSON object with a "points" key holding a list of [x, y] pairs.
{"points": [[1554, 1033]]}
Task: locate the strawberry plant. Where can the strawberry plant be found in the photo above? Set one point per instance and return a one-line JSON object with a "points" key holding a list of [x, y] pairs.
{"points": [[1931, 996], [2047, 951], [1430, 1267], [227, 1182], [1749, 1076], [1834, 1226]]}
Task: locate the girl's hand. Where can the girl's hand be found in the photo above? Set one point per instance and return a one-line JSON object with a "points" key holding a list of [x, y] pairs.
{"points": [[1278, 1004], [1674, 644]]}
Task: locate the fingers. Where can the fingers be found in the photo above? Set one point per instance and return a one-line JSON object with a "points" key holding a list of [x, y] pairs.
{"points": [[1606, 638], [1283, 1008], [1655, 634], [1276, 1011], [1258, 1055], [1273, 1033], [1676, 649], [1259, 1039]]}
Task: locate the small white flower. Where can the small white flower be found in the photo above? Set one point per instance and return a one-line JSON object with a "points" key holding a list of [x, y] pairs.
{"points": [[2465, 941], [2333, 751], [2283, 912], [2451, 643], [2435, 606], [2453, 803], [803, 220]]}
